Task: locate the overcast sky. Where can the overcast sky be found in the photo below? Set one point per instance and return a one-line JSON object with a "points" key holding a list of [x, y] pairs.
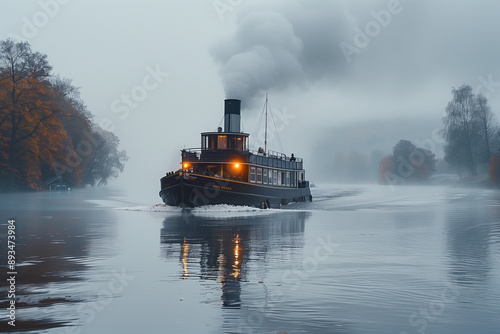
{"points": [[158, 71]]}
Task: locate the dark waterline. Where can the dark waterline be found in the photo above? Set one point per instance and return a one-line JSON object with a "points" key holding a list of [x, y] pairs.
{"points": [[356, 260]]}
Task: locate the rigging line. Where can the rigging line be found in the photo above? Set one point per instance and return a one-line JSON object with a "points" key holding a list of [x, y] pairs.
{"points": [[276, 131], [265, 134], [222, 119], [256, 132]]}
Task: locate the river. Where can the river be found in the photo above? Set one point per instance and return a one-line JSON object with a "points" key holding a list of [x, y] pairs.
{"points": [[358, 259]]}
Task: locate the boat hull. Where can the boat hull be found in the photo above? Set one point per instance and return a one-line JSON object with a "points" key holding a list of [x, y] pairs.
{"points": [[192, 190]]}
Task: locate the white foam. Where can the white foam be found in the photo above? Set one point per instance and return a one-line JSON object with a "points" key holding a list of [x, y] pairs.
{"points": [[151, 208], [211, 211], [225, 208]]}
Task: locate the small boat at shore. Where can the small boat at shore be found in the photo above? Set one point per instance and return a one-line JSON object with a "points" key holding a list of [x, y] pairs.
{"points": [[225, 171]]}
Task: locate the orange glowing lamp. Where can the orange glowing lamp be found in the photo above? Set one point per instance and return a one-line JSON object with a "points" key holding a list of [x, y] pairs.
{"points": [[186, 166]]}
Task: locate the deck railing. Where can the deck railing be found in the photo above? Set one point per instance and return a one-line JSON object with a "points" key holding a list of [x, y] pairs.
{"points": [[271, 159]]}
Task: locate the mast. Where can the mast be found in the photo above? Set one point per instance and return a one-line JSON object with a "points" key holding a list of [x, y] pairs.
{"points": [[265, 133]]}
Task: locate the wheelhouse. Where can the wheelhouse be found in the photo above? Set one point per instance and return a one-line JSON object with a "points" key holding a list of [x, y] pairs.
{"points": [[226, 155]]}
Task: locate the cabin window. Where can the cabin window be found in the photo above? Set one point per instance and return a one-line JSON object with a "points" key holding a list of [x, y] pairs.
{"points": [[239, 143], [293, 179], [270, 180], [252, 174], [259, 175], [279, 178], [222, 142], [205, 142], [212, 170], [287, 179], [275, 177], [264, 176], [212, 144], [236, 143]]}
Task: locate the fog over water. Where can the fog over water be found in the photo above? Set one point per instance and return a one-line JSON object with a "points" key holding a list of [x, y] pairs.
{"points": [[202, 51], [348, 78], [358, 259]]}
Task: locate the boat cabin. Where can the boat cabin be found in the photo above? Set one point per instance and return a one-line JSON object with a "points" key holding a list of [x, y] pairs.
{"points": [[227, 155]]}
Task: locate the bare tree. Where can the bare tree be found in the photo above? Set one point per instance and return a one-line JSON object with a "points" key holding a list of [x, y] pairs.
{"points": [[461, 131], [487, 126]]}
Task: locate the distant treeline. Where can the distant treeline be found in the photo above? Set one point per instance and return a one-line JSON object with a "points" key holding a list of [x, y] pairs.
{"points": [[46, 130], [471, 144]]}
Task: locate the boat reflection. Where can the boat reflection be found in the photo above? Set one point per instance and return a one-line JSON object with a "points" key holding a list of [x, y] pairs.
{"points": [[219, 249]]}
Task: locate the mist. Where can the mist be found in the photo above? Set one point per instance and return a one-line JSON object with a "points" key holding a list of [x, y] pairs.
{"points": [[291, 49]]}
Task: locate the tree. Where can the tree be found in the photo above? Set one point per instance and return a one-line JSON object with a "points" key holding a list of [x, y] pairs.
{"points": [[494, 170], [460, 131], [387, 170], [487, 127], [30, 129], [45, 127], [77, 121], [107, 161], [402, 154], [408, 163], [469, 128]]}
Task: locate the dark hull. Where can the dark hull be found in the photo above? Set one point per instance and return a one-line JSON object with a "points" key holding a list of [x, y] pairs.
{"points": [[192, 190]]}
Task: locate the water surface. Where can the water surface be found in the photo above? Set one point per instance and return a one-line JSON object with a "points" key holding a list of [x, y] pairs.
{"points": [[358, 259]]}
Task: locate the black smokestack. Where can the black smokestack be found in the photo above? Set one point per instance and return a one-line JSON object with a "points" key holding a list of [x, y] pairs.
{"points": [[232, 110]]}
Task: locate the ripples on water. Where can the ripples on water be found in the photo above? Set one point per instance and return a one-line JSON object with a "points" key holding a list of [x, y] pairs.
{"points": [[356, 260]]}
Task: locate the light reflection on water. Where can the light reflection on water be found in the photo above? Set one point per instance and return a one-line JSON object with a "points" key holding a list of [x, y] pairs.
{"points": [[222, 250], [357, 260]]}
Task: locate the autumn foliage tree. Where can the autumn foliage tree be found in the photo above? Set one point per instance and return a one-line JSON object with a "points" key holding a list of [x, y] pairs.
{"points": [[42, 121], [494, 170], [407, 164]]}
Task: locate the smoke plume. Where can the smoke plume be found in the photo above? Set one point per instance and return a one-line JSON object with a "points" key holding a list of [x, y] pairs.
{"points": [[290, 43]]}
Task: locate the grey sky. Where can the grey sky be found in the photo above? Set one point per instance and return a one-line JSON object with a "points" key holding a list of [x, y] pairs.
{"points": [[291, 48]]}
